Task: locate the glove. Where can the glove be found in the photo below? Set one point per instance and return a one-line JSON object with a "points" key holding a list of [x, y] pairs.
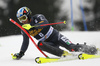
{"points": [[17, 56]]}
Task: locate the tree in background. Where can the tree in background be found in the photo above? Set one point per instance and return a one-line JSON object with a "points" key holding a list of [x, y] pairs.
{"points": [[49, 8]]}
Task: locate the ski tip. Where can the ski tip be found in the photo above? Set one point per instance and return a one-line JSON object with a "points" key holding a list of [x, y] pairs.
{"points": [[80, 56], [37, 60]]}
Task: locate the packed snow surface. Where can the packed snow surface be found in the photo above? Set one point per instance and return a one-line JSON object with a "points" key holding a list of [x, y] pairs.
{"points": [[12, 44]]}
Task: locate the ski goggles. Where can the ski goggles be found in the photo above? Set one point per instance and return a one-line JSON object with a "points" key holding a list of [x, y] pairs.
{"points": [[22, 18]]}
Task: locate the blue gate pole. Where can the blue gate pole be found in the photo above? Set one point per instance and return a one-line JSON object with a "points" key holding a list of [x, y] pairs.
{"points": [[83, 16], [72, 22]]}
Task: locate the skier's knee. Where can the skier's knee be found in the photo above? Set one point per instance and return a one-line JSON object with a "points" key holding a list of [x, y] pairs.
{"points": [[50, 49], [42, 45]]}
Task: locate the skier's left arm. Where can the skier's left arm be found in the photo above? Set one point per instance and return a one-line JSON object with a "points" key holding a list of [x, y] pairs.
{"points": [[24, 46]]}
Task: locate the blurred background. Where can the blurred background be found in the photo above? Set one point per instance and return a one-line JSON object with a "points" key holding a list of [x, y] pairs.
{"points": [[81, 15]]}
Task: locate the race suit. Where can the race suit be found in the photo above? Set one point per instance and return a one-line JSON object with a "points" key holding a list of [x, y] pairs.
{"points": [[46, 34]]}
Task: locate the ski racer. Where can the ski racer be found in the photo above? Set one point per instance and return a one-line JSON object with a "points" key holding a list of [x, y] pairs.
{"points": [[49, 39]]}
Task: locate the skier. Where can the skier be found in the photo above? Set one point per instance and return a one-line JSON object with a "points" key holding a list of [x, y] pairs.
{"points": [[49, 38]]}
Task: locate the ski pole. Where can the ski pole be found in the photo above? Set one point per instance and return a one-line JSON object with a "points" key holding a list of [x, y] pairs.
{"points": [[28, 36], [28, 26], [50, 24]]}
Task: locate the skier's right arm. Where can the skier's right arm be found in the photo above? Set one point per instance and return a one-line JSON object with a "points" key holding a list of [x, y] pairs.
{"points": [[24, 46]]}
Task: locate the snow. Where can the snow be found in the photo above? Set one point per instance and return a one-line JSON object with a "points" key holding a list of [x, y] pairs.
{"points": [[12, 44]]}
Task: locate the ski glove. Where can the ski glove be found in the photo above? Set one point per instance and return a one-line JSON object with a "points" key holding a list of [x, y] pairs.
{"points": [[17, 56]]}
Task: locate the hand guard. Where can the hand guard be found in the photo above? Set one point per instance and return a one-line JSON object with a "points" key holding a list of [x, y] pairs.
{"points": [[27, 26], [17, 56]]}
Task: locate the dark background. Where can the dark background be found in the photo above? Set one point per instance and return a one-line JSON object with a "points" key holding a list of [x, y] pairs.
{"points": [[45, 7]]}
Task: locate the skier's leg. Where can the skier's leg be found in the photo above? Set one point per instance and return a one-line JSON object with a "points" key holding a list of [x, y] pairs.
{"points": [[51, 48], [65, 42], [76, 47]]}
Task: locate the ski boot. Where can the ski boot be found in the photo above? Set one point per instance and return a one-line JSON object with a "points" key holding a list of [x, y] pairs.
{"points": [[86, 49]]}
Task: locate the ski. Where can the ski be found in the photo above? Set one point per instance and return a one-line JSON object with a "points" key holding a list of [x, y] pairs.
{"points": [[81, 56], [87, 56], [84, 56], [41, 60]]}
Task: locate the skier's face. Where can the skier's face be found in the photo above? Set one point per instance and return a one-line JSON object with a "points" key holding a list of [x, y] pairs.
{"points": [[26, 22], [23, 19]]}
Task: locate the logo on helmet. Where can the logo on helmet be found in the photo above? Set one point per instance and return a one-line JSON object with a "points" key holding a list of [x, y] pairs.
{"points": [[27, 9]]}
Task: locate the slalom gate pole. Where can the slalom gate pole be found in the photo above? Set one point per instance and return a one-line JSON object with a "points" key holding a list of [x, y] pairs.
{"points": [[28, 36], [83, 16], [71, 6]]}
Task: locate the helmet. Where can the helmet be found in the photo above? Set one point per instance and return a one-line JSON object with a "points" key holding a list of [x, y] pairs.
{"points": [[23, 13]]}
